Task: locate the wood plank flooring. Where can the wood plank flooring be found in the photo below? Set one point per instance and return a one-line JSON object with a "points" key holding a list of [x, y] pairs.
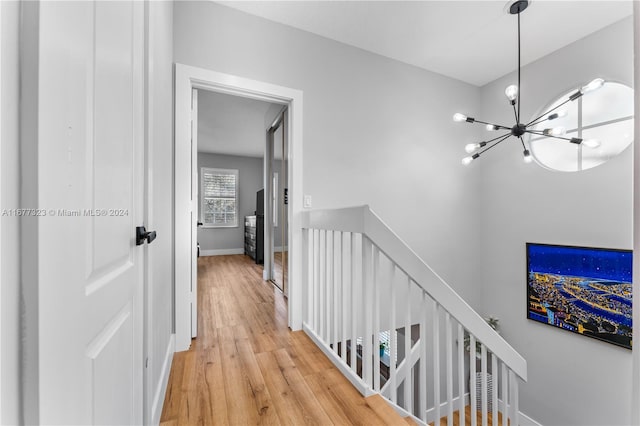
{"points": [[246, 367], [467, 422]]}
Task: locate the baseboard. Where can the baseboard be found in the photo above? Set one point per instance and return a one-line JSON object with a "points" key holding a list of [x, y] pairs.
{"points": [[221, 252], [161, 390], [444, 407], [337, 362], [523, 419], [527, 421]]}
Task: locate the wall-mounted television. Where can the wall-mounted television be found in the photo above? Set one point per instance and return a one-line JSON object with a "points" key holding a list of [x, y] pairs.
{"points": [[581, 289]]}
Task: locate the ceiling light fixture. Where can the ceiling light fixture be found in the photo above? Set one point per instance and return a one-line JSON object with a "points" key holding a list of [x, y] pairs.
{"points": [[515, 99]]}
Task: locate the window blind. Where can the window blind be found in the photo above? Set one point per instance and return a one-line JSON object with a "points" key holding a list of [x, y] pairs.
{"points": [[219, 189]]}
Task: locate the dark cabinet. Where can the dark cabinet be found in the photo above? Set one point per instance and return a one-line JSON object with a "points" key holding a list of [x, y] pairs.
{"points": [[260, 239], [254, 237], [250, 236]]}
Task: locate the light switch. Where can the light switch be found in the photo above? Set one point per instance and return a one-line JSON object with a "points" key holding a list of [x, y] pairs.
{"points": [[306, 201]]}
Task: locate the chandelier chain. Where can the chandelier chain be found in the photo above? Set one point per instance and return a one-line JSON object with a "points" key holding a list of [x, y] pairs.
{"points": [[519, 87]]}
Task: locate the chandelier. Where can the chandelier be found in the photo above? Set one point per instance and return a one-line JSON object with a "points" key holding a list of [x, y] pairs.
{"points": [[519, 129]]}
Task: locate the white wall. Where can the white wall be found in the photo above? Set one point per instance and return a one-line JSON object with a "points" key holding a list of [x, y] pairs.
{"points": [[635, 394], [573, 380], [159, 217], [376, 131], [250, 182], [10, 199]]}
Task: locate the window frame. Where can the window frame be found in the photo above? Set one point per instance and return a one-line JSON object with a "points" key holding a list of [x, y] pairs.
{"points": [[218, 171], [578, 132]]}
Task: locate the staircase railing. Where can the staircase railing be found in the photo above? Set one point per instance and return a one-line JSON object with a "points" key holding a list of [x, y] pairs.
{"points": [[393, 326]]}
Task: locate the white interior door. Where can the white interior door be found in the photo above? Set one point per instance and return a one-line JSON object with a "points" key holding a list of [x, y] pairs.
{"points": [[90, 183]]}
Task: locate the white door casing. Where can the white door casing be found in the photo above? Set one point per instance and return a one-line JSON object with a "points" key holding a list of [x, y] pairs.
{"points": [[188, 78], [194, 212], [89, 148]]}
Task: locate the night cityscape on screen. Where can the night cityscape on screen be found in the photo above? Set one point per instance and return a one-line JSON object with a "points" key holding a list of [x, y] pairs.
{"points": [[583, 290]]}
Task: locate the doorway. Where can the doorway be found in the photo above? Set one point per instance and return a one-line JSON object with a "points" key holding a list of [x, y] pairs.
{"points": [[279, 242], [188, 78]]}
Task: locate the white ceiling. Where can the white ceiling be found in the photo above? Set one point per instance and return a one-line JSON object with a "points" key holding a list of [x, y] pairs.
{"points": [[231, 124], [473, 41]]}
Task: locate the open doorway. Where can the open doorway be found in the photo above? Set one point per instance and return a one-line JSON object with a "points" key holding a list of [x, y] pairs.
{"points": [[187, 79], [230, 167]]}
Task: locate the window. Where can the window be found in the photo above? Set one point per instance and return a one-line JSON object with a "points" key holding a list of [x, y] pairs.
{"points": [[218, 197], [385, 338], [605, 115]]}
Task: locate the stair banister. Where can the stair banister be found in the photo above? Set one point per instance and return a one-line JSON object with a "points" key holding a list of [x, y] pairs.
{"points": [[362, 220], [350, 256]]}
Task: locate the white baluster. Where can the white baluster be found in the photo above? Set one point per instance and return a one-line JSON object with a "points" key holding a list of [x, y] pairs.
{"points": [[329, 287], [449, 354], [335, 288], [494, 390], [337, 285], [322, 284], [514, 397], [424, 313], [310, 279], [368, 311], [436, 362], [375, 281], [461, 375], [408, 394], [472, 375], [483, 376], [346, 288], [505, 395], [354, 305], [393, 346]]}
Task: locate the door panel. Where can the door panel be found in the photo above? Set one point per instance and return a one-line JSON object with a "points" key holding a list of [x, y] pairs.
{"points": [[279, 184], [112, 372], [90, 179], [109, 167]]}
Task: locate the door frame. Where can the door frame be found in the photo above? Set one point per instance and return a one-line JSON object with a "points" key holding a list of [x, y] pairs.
{"points": [[187, 78]]}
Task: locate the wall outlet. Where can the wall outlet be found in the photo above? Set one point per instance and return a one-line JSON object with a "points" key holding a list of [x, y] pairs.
{"points": [[306, 201]]}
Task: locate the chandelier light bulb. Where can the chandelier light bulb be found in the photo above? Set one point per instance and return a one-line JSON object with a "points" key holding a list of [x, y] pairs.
{"points": [[491, 127], [467, 160], [459, 117], [511, 92], [559, 114], [527, 156], [556, 131], [594, 84], [470, 147], [591, 143]]}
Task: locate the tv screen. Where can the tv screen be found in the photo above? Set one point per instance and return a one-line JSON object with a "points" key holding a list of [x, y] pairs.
{"points": [[580, 289]]}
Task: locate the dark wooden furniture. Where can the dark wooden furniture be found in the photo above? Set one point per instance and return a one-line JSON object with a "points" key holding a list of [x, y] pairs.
{"points": [[250, 236]]}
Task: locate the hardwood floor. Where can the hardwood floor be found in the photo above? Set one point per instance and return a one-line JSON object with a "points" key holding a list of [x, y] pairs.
{"points": [[246, 367], [467, 410]]}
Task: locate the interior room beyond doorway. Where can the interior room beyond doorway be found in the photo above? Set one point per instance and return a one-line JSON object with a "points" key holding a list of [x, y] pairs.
{"points": [[234, 162]]}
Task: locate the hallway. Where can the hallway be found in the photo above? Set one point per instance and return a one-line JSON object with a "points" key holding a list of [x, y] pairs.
{"points": [[247, 367]]}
